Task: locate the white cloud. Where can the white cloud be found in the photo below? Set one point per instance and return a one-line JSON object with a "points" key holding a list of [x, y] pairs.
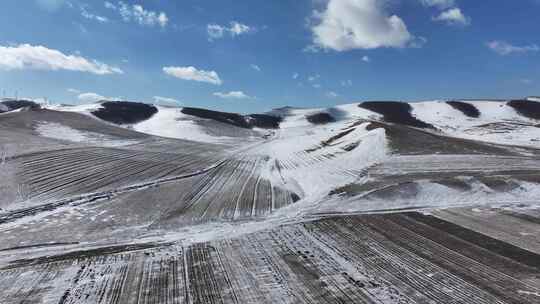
{"points": [[358, 24], [316, 86], [30, 57], [239, 28], [418, 42], [314, 77], [504, 48], [232, 95], [137, 13], [453, 16], [441, 4], [366, 59], [74, 91], [94, 97], [163, 19], [192, 73], [166, 100], [311, 49], [332, 94], [295, 76], [346, 83], [90, 16], [255, 67], [216, 31], [110, 5]]}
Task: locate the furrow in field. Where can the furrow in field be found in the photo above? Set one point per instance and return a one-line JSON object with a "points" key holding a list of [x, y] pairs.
{"points": [[205, 284], [231, 190], [487, 277], [232, 196], [417, 278]]}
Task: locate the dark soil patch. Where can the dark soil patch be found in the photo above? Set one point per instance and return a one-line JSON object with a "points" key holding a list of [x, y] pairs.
{"points": [[410, 141], [83, 254], [294, 197], [506, 290], [504, 126], [39, 246], [26, 122], [247, 122], [332, 139], [12, 105], [531, 177], [499, 184], [320, 118], [281, 112], [466, 108], [264, 121], [229, 118], [356, 124], [352, 146], [395, 112], [454, 183], [493, 245], [527, 108], [125, 112]]}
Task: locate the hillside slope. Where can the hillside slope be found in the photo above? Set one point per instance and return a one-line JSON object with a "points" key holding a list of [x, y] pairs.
{"points": [[382, 202]]}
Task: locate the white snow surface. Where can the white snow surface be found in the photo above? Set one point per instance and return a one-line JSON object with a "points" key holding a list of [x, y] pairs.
{"points": [[433, 196], [347, 112], [168, 122], [172, 123], [61, 132], [83, 108], [498, 122], [312, 169]]}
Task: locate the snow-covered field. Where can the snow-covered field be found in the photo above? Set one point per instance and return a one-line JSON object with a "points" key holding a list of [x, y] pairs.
{"points": [[498, 122], [344, 208], [172, 123], [308, 161]]}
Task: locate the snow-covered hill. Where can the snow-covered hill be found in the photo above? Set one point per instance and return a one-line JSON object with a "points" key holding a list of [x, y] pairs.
{"points": [[173, 122], [495, 122], [308, 152], [505, 122], [98, 200]]}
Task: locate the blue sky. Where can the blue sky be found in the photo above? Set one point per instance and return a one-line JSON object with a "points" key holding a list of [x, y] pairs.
{"points": [[251, 56]]}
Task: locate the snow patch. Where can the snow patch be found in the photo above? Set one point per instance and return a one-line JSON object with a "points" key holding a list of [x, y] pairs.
{"points": [[429, 195], [61, 132], [498, 123], [172, 123], [312, 160], [83, 108]]}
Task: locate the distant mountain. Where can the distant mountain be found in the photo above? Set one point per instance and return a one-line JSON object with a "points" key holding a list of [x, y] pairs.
{"points": [[499, 121], [7, 105]]}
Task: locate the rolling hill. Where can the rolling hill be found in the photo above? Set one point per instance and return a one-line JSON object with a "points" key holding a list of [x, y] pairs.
{"points": [[369, 202]]}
